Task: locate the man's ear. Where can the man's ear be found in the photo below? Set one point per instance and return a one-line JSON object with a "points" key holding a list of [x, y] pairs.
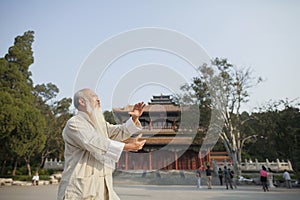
{"points": [[81, 102]]}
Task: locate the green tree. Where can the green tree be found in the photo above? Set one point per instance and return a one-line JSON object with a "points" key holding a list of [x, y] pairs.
{"points": [[221, 90], [28, 137], [21, 54], [56, 113], [277, 124], [109, 117], [21, 123]]}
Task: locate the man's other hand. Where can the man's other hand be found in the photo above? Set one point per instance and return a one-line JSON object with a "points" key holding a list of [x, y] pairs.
{"points": [[135, 145]]}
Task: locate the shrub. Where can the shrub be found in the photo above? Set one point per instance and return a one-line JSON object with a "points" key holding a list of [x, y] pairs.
{"points": [[47, 171], [45, 177], [22, 170], [22, 178]]}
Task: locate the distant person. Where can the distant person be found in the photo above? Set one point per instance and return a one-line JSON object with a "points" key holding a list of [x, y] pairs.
{"points": [[220, 174], [271, 178], [263, 178], [208, 176], [287, 179], [35, 179], [198, 175], [227, 178], [233, 179]]}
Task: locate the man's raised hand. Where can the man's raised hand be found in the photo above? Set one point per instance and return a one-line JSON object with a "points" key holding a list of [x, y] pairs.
{"points": [[137, 111]]}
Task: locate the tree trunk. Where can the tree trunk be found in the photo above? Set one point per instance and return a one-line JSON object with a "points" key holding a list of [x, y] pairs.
{"points": [[235, 163], [239, 152], [60, 156], [15, 168], [27, 159], [3, 167], [29, 169], [42, 161], [233, 156], [239, 161]]}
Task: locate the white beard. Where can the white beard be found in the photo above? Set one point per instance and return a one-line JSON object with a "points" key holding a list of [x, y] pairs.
{"points": [[98, 119], [99, 122]]}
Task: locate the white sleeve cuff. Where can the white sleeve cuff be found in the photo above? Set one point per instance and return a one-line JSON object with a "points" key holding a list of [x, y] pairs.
{"points": [[132, 127], [115, 149]]}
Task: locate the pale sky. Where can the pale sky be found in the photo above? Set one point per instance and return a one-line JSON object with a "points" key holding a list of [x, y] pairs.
{"points": [[262, 35]]}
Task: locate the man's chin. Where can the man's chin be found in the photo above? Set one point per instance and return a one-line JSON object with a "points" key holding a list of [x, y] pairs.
{"points": [[91, 111], [98, 109]]}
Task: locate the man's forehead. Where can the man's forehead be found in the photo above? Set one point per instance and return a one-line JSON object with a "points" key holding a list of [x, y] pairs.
{"points": [[91, 93]]}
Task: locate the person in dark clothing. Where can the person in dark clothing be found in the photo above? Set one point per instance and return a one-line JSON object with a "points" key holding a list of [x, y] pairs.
{"points": [[208, 176], [233, 179], [220, 173], [227, 178]]}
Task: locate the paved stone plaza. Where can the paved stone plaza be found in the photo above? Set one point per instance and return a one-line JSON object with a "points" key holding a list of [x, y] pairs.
{"points": [[161, 192]]}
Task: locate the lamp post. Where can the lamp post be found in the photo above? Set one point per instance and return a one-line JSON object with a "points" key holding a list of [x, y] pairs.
{"points": [[247, 138], [241, 147]]}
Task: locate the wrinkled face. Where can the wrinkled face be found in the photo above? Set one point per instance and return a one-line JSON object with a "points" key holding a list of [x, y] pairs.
{"points": [[92, 102], [92, 105]]}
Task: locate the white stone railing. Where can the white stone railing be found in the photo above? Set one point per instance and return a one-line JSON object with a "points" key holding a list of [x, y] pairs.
{"points": [[54, 164], [248, 165], [276, 166]]}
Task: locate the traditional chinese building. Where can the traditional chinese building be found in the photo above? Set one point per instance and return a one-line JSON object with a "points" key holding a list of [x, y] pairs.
{"points": [[167, 146]]}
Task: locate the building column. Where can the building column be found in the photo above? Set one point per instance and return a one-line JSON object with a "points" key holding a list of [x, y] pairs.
{"points": [[176, 161], [208, 157], [189, 162], [150, 161], [174, 124], [200, 160], [194, 163], [126, 160]]}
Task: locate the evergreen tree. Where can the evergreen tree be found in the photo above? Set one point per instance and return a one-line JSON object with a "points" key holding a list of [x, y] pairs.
{"points": [[56, 113], [278, 125], [109, 117], [21, 123]]}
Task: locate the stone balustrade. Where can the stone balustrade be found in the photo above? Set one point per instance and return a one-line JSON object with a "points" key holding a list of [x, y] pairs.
{"points": [[277, 166], [54, 164], [248, 165]]}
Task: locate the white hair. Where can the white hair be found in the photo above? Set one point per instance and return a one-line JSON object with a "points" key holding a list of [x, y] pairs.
{"points": [[81, 94]]}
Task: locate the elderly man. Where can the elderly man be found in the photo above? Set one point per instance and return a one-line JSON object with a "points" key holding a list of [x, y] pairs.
{"points": [[92, 147]]}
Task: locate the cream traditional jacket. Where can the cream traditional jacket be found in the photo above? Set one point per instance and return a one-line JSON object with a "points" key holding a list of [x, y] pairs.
{"points": [[90, 158]]}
